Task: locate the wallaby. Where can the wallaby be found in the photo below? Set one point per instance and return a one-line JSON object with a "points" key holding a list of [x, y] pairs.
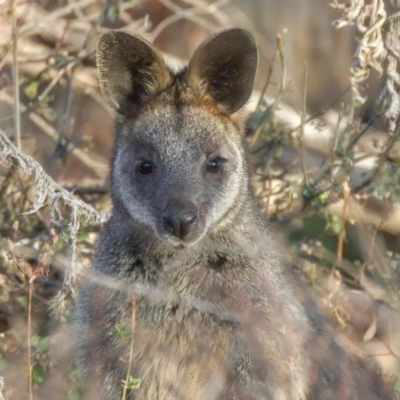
{"points": [[187, 298]]}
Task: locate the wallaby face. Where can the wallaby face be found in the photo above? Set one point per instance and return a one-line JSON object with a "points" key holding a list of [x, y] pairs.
{"points": [[178, 165], [178, 177]]}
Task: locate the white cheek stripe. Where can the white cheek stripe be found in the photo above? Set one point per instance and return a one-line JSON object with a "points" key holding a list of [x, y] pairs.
{"points": [[232, 192]]}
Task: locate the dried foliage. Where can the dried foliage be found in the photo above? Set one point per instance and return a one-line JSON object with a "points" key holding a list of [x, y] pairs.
{"points": [[369, 20], [326, 180], [378, 49]]}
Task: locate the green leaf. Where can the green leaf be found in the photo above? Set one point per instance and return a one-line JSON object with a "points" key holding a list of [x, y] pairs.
{"points": [[73, 375], [21, 301], [43, 345], [119, 330], [396, 385], [132, 383], [74, 394], [31, 89], [83, 235], [3, 363], [37, 374], [49, 113], [34, 340]]}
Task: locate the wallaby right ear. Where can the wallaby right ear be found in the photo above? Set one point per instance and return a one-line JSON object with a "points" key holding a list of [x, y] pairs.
{"points": [[224, 67], [130, 70]]}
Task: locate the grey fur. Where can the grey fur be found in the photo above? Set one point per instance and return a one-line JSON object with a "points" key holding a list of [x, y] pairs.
{"points": [[210, 315]]}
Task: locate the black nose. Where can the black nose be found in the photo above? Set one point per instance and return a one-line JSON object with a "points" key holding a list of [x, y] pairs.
{"points": [[180, 222]]}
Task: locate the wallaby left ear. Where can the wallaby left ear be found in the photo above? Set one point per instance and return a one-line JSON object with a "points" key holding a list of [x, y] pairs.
{"points": [[224, 67], [130, 69]]}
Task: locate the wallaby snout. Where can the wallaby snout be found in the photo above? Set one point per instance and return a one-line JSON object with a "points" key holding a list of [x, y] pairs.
{"points": [[180, 218]]}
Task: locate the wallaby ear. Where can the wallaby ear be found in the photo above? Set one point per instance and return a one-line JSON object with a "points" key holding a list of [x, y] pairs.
{"points": [[224, 67], [130, 70]]}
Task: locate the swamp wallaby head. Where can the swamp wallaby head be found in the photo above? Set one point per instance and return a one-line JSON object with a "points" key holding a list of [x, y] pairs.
{"points": [[178, 165]]}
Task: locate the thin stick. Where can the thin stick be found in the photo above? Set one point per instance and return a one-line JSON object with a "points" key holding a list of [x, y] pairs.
{"points": [[282, 87], [128, 372], [267, 81], [339, 251], [1, 387], [301, 133], [15, 78], [29, 339]]}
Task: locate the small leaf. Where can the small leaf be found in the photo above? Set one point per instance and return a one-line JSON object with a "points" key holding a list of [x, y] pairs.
{"points": [[3, 363], [37, 374], [74, 394], [31, 89], [21, 301], [112, 11], [43, 345], [132, 383], [34, 340], [396, 385], [74, 375], [83, 235], [49, 113]]}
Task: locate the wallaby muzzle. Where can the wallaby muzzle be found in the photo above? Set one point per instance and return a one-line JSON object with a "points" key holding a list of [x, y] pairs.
{"points": [[180, 218]]}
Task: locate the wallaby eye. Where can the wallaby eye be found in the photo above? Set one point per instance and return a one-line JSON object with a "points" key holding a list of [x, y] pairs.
{"points": [[144, 168], [215, 165]]}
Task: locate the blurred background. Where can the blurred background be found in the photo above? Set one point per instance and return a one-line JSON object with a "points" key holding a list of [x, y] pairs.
{"points": [[323, 150]]}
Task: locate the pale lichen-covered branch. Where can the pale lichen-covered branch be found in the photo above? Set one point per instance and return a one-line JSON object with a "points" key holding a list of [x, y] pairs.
{"points": [[49, 193]]}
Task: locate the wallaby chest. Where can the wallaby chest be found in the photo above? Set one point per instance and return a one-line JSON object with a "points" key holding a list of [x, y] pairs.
{"points": [[180, 340]]}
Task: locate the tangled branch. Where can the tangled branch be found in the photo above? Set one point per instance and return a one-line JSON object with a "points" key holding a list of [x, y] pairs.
{"points": [[50, 193]]}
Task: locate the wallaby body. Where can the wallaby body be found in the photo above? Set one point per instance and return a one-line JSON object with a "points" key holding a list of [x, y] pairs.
{"points": [[187, 294]]}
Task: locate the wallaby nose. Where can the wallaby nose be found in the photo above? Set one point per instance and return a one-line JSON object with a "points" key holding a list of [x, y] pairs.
{"points": [[180, 222]]}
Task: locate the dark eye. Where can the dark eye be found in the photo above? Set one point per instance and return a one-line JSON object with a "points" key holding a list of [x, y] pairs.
{"points": [[214, 166], [144, 168]]}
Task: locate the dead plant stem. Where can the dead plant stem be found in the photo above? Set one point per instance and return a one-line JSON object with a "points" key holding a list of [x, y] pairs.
{"points": [[301, 133], [29, 339], [128, 372], [339, 251], [15, 76]]}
